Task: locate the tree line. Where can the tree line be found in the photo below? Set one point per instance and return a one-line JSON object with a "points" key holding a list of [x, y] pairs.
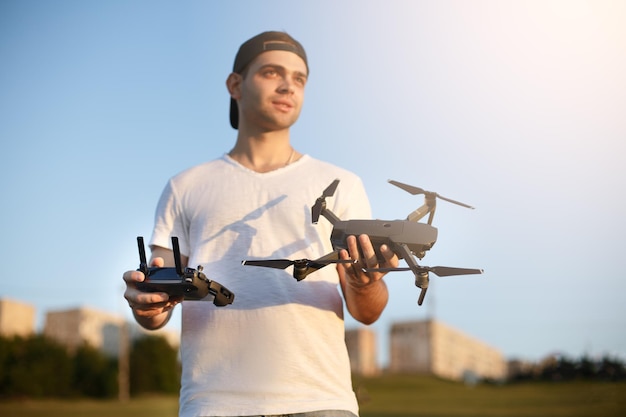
{"points": [[38, 367], [563, 368]]}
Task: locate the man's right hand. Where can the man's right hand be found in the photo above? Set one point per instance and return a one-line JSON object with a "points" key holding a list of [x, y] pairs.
{"points": [[152, 310]]}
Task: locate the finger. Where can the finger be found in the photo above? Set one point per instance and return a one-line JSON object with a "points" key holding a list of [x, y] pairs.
{"points": [[158, 262], [345, 268], [352, 247], [153, 309], [133, 276], [151, 306], [352, 273], [390, 257], [368, 251], [177, 299], [146, 302], [150, 298]]}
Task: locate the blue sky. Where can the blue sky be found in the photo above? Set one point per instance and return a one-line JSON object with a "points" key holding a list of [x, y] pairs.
{"points": [[515, 107]]}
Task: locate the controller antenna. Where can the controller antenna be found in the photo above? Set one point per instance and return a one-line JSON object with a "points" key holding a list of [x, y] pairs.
{"points": [[143, 262], [176, 249]]}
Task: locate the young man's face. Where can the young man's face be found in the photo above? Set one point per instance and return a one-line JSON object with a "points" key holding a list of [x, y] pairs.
{"points": [[272, 91]]}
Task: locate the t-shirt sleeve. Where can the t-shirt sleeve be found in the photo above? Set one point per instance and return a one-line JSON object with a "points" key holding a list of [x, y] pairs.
{"points": [[169, 220], [353, 202]]}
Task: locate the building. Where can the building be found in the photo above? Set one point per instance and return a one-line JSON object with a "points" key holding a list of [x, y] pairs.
{"points": [[101, 330], [361, 344], [430, 347], [16, 318], [75, 327]]}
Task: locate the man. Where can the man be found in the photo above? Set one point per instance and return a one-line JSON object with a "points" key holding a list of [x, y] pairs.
{"points": [[279, 348]]}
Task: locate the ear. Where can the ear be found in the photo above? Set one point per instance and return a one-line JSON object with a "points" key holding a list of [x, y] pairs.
{"points": [[233, 83]]}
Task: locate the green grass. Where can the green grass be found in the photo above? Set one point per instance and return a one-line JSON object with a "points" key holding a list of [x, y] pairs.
{"points": [[396, 396], [157, 406], [391, 396]]}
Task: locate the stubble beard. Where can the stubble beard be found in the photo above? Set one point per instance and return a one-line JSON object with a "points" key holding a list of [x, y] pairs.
{"points": [[270, 121]]}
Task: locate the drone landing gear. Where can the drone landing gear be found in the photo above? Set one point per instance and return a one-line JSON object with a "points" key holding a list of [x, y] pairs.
{"points": [[421, 275], [420, 300], [421, 272]]}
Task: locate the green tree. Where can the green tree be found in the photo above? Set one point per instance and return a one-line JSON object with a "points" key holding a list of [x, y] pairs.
{"points": [[154, 366], [95, 374], [611, 369], [35, 367]]}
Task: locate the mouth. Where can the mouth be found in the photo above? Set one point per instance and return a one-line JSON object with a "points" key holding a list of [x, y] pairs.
{"points": [[283, 105]]}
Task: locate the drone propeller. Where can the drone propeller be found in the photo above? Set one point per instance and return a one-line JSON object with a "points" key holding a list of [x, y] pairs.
{"points": [[273, 263], [441, 271], [320, 203], [302, 267], [298, 263], [416, 190], [421, 275]]}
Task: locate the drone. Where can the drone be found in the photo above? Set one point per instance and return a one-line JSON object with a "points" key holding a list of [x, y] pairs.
{"points": [[408, 239]]}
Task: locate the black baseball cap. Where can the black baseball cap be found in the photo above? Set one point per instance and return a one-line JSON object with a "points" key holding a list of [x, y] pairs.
{"points": [[253, 47]]}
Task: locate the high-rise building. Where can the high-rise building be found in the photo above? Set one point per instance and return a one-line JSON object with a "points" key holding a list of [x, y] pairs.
{"points": [[16, 318], [430, 347], [99, 329], [74, 327], [361, 343]]}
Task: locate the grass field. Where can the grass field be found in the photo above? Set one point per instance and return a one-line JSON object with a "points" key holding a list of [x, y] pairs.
{"points": [[391, 396], [396, 396]]}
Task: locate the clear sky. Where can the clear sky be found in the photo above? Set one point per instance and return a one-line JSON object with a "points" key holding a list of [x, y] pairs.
{"points": [[515, 107]]}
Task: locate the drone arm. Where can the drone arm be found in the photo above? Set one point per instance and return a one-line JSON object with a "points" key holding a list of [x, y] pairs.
{"points": [[418, 214], [332, 218], [421, 276], [430, 203], [304, 267], [431, 216]]}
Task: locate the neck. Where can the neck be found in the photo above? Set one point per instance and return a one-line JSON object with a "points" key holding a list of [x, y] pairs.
{"points": [[264, 153]]}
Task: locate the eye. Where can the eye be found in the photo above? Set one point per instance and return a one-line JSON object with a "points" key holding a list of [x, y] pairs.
{"points": [[270, 72]]}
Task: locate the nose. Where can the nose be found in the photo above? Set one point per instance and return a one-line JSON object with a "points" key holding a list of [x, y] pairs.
{"points": [[286, 86]]}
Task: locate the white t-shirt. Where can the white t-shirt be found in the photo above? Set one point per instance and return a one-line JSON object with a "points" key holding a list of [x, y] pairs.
{"points": [[279, 348]]}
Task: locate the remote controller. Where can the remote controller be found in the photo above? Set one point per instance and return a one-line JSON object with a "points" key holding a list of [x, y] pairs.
{"points": [[190, 283]]}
